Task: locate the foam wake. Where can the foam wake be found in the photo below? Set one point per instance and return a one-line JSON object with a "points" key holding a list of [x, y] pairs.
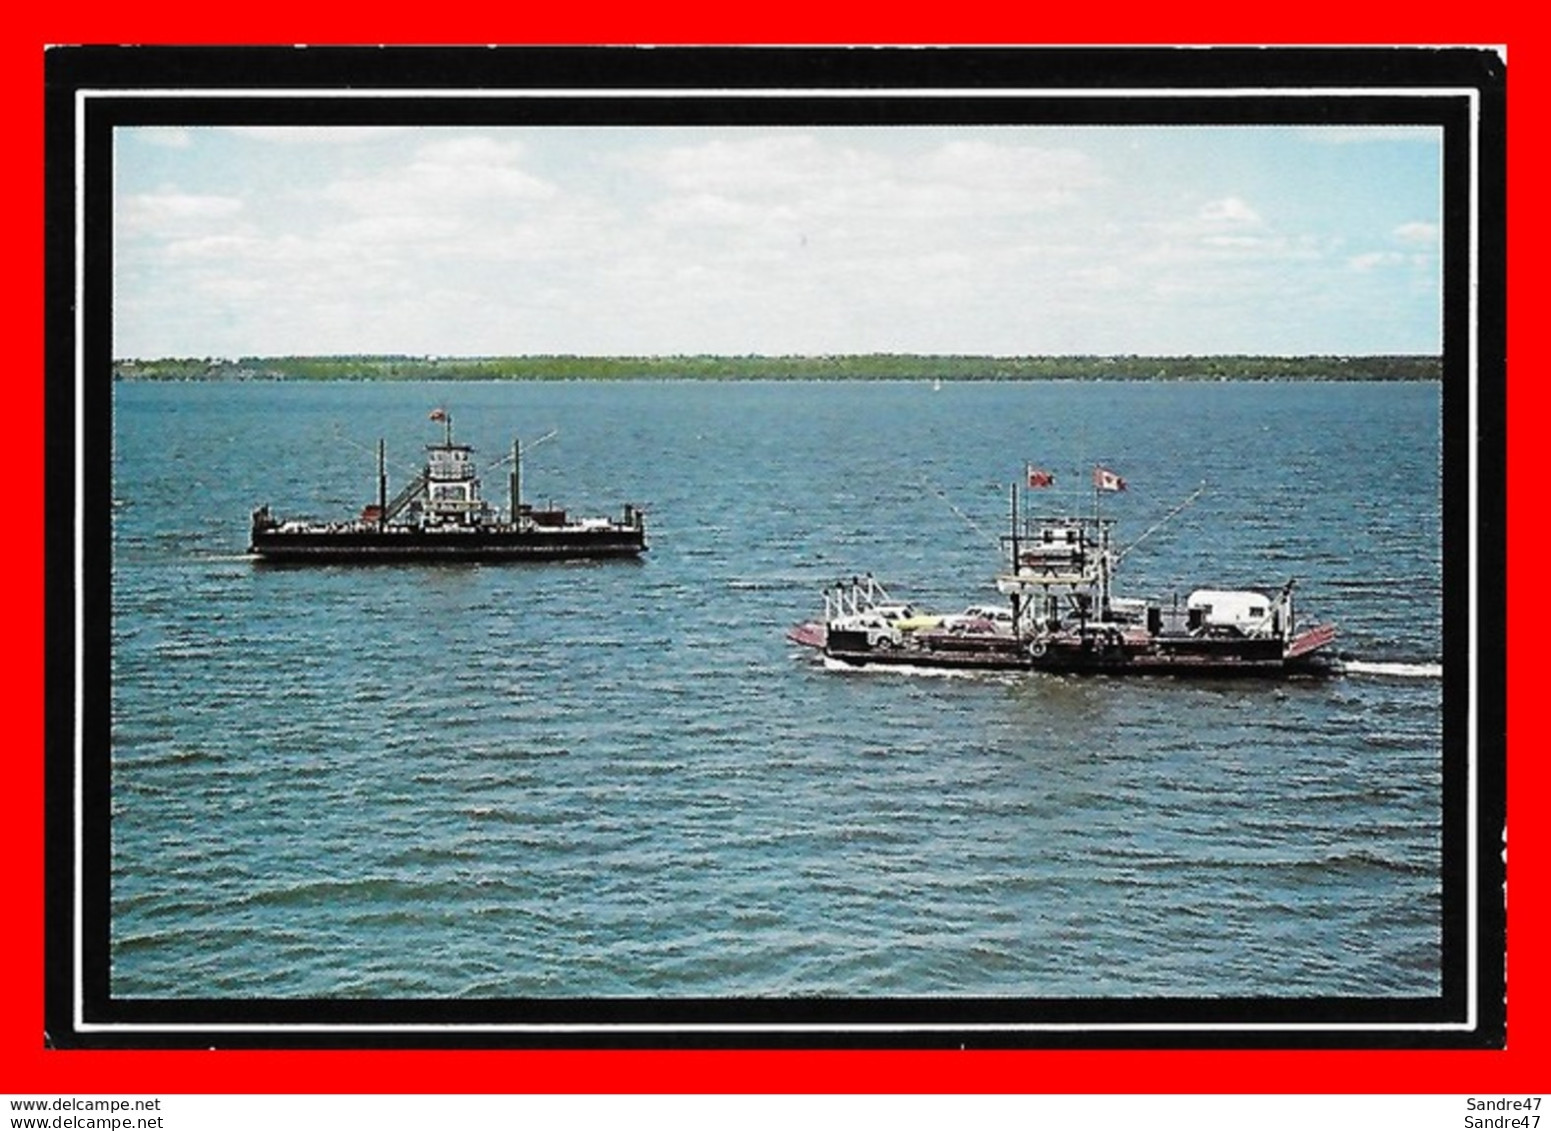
{"points": [[1404, 671]]}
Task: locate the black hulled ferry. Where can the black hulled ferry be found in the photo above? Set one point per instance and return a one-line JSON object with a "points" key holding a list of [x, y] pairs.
{"points": [[440, 515], [1062, 616]]}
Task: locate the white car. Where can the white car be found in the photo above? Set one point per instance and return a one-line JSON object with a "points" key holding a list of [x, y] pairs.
{"points": [[980, 618], [880, 631]]}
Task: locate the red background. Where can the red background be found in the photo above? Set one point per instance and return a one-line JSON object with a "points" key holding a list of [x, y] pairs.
{"points": [[25, 1067]]}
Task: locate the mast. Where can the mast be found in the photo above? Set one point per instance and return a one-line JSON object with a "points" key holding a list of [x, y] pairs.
{"points": [[382, 483], [1017, 601], [515, 486], [1103, 570]]}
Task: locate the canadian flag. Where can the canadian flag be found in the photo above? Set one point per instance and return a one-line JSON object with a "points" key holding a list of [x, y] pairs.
{"points": [[1039, 477], [1106, 480], [438, 414]]}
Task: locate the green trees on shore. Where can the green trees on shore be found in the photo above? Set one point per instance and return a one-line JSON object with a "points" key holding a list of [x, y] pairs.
{"points": [[853, 367]]}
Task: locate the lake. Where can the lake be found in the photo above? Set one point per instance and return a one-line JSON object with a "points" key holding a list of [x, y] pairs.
{"points": [[619, 779]]}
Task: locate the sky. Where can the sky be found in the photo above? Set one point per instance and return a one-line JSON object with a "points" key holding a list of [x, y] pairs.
{"points": [[998, 240]]}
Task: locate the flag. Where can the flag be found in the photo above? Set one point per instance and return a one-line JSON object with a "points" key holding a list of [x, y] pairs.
{"points": [[1039, 477], [1106, 480], [438, 414]]}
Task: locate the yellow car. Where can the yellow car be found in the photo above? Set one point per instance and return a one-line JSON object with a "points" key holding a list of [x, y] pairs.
{"points": [[907, 618]]}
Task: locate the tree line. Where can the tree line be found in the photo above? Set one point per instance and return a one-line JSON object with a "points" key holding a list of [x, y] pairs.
{"points": [[852, 367]]}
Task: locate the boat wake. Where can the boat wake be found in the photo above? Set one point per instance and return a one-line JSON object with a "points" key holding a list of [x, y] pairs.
{"points": [[918, 670], [1403, 671]]}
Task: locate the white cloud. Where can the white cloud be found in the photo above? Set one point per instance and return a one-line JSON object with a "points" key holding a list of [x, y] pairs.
{"points": [[1417, 233], [716, 210], [401, 229], [442, 179], [1367, 135], [1230, 210], [212, 248], [476, 150], [1240, 243], [808, 178], [763, 165], [984, 176], [166, 137], [173, 213], [1374, 260]]}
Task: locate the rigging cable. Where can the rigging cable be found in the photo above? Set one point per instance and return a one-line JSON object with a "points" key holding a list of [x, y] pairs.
{"points": [[1193, 496], [975, 526]]}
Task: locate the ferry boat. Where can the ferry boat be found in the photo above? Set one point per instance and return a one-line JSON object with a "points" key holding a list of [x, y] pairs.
{"points": [[1062, 616], [440, 515]]}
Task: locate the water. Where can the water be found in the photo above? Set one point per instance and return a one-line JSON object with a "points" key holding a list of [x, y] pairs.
{"points": [[619, 779]]}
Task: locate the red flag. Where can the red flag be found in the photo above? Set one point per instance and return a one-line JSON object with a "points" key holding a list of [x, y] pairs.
{"points": [[1106, 480], [1039, 477], [438, 414]]}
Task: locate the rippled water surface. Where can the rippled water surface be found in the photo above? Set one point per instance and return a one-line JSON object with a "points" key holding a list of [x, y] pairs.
{"points": [[595, 780]]}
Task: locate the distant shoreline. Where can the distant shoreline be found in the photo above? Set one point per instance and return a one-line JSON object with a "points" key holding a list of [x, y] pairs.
{"points": [[848, 367]]}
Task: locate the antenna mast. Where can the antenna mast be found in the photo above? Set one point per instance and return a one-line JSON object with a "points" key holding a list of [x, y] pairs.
{"points": [[516, 478]]}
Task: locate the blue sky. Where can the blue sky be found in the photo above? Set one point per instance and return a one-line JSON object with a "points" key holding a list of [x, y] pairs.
{"points": [[776, 240]]}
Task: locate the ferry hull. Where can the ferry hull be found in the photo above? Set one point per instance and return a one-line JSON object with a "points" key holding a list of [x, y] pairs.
{"points": [[1182, 657], [453, 545]]}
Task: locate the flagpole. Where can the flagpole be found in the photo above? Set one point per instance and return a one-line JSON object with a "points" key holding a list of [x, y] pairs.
{"points": [[1015, 528], [1016, 603], [516, 483]]}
